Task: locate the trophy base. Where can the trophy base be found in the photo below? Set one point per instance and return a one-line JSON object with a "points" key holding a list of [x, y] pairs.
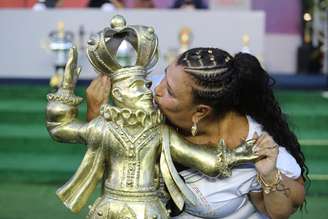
{"points": [[115, 206]]}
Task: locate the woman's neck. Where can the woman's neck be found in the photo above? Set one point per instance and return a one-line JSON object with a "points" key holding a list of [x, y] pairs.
{"points": [[232, 127]]}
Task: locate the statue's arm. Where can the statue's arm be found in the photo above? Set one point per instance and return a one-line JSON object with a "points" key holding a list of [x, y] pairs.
{"points": [[199, 157], [62, 124], [212, 160], [62, 108]]}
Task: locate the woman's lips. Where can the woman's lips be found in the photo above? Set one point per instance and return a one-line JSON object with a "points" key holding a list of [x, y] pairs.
{"points": [[156, 103]]}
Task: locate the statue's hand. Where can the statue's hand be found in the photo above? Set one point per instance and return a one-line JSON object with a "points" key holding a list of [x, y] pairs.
{"points": [[72, 72], [227, 158], [244, 153], [65, 93]]}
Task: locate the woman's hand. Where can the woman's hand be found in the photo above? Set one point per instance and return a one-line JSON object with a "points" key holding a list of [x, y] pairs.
{"points": [[266, 147], [97, 94], [285, 199]]}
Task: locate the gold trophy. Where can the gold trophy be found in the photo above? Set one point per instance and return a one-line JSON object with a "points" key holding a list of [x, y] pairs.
{"points": [[245, 40], [60, 43], [185, 38], [128, 145]]}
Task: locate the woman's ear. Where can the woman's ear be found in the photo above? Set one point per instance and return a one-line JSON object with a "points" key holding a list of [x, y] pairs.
{"points": [[201, 112], [116, 93]]}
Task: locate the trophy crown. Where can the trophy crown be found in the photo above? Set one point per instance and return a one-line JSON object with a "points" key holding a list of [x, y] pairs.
{"points": [[103, 47]]}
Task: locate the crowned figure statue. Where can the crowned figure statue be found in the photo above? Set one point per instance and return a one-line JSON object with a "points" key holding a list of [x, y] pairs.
{"points": [[128, 145]]}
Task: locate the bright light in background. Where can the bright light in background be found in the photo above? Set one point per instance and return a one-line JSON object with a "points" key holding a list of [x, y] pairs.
{"points": [[307, 17]]}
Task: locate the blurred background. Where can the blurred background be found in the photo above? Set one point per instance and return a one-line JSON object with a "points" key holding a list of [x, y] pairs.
{"points": [[288, 37]]}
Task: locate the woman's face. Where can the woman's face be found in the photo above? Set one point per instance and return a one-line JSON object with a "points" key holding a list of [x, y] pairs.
{"points": [[174, 96]]}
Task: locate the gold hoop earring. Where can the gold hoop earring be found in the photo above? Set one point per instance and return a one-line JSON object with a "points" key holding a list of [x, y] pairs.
{"points": [[194, 129]]}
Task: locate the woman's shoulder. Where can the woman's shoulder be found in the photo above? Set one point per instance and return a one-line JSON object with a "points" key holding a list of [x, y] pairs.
{"points": [[287, 164]]}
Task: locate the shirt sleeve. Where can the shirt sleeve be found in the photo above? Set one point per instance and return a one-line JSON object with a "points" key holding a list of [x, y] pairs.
{"points": [[287, 164]]}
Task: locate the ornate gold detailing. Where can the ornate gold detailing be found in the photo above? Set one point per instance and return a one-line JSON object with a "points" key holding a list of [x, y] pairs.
{"points": [[127, 212], [227, 158], [102, 49], [222, 162], [126, 116], [70, 100], [129, 71]]}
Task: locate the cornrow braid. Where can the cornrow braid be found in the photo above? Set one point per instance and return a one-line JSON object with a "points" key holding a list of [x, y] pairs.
{"points": [[210, 93], [212, 70]]}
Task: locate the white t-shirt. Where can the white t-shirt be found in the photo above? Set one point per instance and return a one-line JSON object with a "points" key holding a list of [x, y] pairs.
{"points": [[226, 198]]}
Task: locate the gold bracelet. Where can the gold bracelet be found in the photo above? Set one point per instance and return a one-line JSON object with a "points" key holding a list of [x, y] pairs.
{"points": [[267, 188]]}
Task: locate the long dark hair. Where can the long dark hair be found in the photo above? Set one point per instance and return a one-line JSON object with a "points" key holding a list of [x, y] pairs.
{"points": [[240, 83]]}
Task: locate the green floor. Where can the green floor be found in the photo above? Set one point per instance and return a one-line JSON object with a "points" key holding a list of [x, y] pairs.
{"points": [[32, 166]]}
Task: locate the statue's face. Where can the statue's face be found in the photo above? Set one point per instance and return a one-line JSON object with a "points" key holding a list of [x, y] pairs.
{"points": [[133, 92]]}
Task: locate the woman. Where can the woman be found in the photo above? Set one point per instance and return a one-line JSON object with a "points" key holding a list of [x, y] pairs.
{"points": [[208, 95]]}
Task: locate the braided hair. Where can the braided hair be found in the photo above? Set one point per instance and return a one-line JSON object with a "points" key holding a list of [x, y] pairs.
{"points": [[240, 84]]}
